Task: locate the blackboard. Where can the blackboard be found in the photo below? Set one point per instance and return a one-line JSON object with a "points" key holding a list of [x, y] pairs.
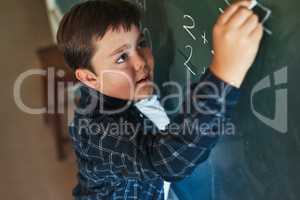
{"points": [[261, 161]]}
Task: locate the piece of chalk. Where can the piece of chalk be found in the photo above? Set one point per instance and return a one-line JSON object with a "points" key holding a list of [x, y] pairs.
{"points": [[253, 4]]}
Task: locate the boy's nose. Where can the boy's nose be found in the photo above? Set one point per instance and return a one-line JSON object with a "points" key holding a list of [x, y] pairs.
{"points": [[139, 62]]}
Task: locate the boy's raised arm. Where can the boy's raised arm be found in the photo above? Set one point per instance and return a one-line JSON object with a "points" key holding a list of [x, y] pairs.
{"points": [[188, 140]]}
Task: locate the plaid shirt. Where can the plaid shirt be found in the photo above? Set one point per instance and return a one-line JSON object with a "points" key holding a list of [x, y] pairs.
{"points": [[131, 161]]}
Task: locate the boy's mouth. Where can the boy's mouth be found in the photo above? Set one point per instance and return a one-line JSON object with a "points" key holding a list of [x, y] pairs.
{"points": [[145, 79]]}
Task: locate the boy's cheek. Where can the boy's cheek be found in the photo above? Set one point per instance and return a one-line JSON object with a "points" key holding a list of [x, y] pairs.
{"points": [[119, 85]]}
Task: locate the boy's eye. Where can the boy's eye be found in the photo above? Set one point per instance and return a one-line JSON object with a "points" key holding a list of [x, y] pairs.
{"points": [[122, 58], [143, 43]]}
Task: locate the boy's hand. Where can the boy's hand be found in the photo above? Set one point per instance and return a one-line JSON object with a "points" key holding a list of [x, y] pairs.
{"points": [[236, 38]]}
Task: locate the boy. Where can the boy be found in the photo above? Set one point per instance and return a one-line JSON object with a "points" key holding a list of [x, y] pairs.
{"points": [[102, 42]]}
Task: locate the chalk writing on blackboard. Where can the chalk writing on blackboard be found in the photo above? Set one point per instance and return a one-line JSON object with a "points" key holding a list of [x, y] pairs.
{"points": [[203, 36], [186, 63], [189, 27]]}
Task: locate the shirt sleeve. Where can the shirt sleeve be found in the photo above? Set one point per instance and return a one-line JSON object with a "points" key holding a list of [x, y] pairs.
{"points": [[189, 138]]}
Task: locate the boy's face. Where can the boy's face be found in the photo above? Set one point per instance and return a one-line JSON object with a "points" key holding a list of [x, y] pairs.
{"points": [[123, 65]]}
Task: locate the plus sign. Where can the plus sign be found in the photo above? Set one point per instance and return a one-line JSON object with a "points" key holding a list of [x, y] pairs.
{"points": [[205, 41]]}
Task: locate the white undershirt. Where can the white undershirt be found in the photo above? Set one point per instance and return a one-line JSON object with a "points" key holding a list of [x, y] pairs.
{"points": [[152, 108]]}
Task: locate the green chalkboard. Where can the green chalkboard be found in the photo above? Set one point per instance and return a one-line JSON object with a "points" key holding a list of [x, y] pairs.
{"points": [[261, 161], [65, 5]]}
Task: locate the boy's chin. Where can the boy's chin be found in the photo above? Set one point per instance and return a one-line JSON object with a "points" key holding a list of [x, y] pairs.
{"points": [[143, 94]]}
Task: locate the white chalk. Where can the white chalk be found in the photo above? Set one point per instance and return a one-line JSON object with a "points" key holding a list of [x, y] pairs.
{"points": [[253, 4]]}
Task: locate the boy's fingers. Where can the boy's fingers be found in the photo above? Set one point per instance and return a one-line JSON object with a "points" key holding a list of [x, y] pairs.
{"points": [[239, 17], [250, 24], [257, 33], [223, 19]]}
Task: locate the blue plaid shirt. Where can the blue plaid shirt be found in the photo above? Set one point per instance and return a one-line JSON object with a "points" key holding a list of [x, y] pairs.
{"points": [[131, 162]]}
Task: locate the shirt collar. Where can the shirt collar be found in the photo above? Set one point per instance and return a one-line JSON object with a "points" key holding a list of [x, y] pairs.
{"points": [[93, 102]]}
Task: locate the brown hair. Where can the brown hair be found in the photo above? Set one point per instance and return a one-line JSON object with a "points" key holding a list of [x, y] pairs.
{"points": [[88, 21]]}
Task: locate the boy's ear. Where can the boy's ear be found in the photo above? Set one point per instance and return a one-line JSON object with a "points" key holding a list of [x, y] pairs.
{"points": [[87, 77]]}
